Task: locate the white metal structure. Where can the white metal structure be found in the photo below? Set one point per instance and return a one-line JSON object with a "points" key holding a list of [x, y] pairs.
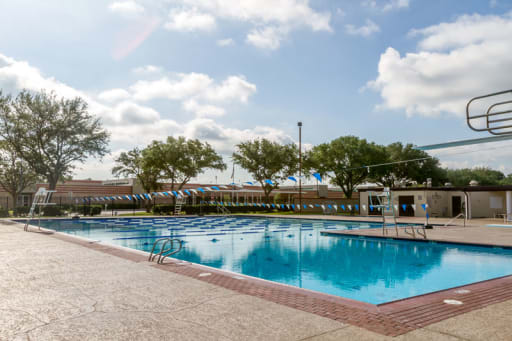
{"points": [[385, 205], [180, 201], [41, 198]]}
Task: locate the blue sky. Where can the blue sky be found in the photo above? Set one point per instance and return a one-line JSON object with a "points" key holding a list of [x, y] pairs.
{"points": [[226, 71]]}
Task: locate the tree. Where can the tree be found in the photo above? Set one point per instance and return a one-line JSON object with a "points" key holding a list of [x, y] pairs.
{"points": [[51, 134], [406, 172], [15, 174], [346, 158], [507, 180], [179, 160], [266, 160], [133, 163], [484, 176]]}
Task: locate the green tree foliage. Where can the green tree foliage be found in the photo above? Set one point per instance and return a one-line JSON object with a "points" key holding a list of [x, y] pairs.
{"points": [[179, 160], [484, 176], [134, 164], [412, 171], [15, 174], [51, 134], [507, 180], [345, 159], [267, 160]]}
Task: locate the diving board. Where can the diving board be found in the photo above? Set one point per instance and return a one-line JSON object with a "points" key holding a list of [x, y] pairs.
{"points": [[498, 123], [465, 142]]}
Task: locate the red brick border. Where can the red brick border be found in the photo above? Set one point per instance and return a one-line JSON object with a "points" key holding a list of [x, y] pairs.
{"points": [[391, 319]]}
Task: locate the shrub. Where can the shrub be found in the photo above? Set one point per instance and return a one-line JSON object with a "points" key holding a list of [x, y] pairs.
{"points": [[124, 206], [52, 211], [3, 212], [89, 210], [22, 210]]}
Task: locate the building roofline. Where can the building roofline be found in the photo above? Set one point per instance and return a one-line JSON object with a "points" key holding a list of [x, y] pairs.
{"points": [[494, 188]]}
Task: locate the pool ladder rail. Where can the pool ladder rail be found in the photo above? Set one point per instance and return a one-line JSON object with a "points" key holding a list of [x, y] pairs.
{"points": [[165, 252], [420, 231], [222, 210]]}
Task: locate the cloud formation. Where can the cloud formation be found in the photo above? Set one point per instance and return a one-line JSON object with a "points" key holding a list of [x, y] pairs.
{"points": [[190, 20], [454, 62], [132, 124], [270, 20], [386, 6], [128, 8], [365, 31], [225, 42]]}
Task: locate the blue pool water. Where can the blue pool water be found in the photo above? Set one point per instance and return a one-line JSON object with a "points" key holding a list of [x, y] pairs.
{"points": [[294, 252]]}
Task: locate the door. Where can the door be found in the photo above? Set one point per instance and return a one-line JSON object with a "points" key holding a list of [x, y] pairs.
{"points": [[456, 206], [373, 201], [406, 200]]}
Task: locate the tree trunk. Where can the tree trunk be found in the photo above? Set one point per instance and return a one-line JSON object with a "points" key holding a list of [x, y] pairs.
{"points": [[14, 203], [52, 183]]}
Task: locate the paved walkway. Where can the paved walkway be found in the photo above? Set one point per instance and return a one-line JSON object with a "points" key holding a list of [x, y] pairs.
{"points": [[51, 289], [501, 236]]}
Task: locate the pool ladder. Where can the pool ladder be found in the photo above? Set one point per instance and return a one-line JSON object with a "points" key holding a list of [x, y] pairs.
{"points": [[420, 231], [165, 252], [222, 210]]}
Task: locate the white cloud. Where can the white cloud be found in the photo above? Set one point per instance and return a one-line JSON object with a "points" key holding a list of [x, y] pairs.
{"points": [[129, 113], [233, 88], [16, 75], [147, 69], [202, 110], [190, 20], [455, 62], [385, 6], [264, 17], [184, 85], [277, 12], [395, 4], [132, 124], [225, 42], [267, 37], [224, 138], [114, 95], [127, 8], [192, 85], [465, 31], [365, 31]]}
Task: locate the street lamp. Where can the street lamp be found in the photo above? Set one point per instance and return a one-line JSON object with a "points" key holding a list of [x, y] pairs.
{"points": [[299, 124]]}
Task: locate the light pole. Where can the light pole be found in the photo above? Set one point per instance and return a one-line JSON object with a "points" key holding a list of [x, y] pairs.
{"points": [[299, 124]]}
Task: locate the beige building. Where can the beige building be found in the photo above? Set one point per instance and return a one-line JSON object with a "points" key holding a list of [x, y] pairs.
{"points": [[473, 201]]}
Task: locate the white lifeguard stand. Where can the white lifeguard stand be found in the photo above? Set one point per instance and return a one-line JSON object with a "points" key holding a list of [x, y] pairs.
{"points": [[41, 198], [385, 205]]}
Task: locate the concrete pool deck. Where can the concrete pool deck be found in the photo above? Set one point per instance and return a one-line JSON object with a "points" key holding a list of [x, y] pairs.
{"points": [[54, 287]]}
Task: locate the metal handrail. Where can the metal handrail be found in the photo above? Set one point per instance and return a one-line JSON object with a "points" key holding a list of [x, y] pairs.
{"points": [[163, 250], [223, 210], [455, 218], [169, 252], [491, 125]]}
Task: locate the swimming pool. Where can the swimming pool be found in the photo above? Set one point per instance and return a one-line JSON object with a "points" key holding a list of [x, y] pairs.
{"points": [[294, 252]]}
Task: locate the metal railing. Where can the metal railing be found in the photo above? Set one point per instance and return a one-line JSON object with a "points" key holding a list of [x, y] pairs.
{"points": [[455, 218], [498, 117], [222, 210], [165, 252]]}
